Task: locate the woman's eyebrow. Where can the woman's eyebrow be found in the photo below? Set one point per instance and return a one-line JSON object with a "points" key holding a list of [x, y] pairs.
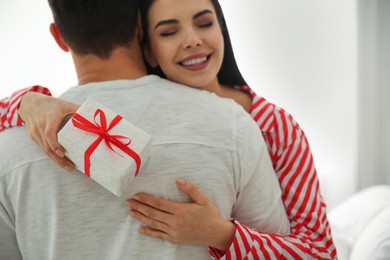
{"points": [[206, 11], [174, 21], [170, 21]]}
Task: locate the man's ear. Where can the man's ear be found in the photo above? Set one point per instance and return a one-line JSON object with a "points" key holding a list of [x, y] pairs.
{"points": [[149, 57], [58, 37]]}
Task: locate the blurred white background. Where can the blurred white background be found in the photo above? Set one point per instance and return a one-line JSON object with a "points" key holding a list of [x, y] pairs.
{"points": [[301, 55]]}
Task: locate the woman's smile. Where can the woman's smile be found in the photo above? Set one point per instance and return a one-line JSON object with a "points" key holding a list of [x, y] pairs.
{"points": [[186, 42], [195, 62]]}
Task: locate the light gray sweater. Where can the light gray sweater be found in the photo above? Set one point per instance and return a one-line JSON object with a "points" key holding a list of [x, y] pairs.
{"points": [[47, 213]]}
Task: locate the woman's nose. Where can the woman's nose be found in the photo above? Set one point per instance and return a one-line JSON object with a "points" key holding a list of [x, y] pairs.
{"points": [[191, 40]]}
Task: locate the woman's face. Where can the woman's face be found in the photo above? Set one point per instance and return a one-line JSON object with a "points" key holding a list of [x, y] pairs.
{"points": [[186, 41]]}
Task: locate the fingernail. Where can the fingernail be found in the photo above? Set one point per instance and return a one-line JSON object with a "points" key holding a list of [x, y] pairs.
{"points": [[136, 196], [69, 168], [131, 213], [60, 153], [181, 181]]}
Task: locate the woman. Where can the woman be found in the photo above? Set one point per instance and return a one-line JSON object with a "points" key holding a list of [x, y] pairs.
{"points": [[164, 27]]}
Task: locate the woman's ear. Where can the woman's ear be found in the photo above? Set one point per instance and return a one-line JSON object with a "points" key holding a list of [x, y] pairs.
{"points": [[58, 37], [150, 58]]}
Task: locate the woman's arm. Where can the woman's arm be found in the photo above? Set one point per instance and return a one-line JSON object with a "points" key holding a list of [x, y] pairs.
{"points": [[9, 106], [42, 115], [258, 200], [290, 153], [310, 236], [182, 222]]}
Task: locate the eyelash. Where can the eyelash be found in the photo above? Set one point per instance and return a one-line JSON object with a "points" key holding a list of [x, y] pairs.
{"points": [[167, 34], [205, 25]]}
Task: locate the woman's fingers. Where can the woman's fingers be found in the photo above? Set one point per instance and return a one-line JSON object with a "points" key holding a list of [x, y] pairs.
{"points": [[192, 222], [150, 222], [192, 191], [149, 212], [156, 234], [50, 133], [62, 162], [158, 203], [43, 116], [52, 147]]}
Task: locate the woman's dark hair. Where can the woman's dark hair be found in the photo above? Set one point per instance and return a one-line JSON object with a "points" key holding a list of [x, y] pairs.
{"points": [[228, 75]]}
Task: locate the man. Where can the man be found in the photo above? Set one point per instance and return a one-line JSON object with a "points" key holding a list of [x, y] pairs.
{"points": [[48, 214]]}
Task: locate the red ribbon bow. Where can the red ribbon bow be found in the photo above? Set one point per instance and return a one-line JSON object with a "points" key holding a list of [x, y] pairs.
{"points": [[102, 130]]}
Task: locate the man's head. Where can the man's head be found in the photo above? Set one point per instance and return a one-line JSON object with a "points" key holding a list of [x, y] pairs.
{"points": [[95, 26]]}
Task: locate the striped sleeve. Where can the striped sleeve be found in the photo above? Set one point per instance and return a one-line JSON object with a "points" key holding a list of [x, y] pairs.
{"points": [[9, 106], [310, 236]]}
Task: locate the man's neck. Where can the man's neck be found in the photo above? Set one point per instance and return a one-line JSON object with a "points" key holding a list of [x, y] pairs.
{"points": [[122, 64]]}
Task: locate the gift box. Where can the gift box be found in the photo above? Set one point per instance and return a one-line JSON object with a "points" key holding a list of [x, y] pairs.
{"points": [[104, 146]]}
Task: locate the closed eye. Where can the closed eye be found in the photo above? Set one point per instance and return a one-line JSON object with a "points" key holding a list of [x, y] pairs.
{"points": [[206, 25], [169, 33]]}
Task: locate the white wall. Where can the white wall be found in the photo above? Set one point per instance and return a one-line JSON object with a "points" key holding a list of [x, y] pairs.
{"points": [[29, 55], [302, 55], [374, 82], [299, 54]]}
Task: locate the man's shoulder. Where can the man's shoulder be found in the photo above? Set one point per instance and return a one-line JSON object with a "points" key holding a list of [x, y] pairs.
{"points": [[200, 98], [13, 137], [17, 149]]}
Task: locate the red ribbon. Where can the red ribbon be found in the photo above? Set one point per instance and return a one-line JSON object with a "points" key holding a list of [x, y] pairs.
{"points": [[102, 130]]}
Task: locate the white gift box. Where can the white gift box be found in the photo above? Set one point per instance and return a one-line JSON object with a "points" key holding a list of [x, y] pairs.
{"points": [[110, 164]]}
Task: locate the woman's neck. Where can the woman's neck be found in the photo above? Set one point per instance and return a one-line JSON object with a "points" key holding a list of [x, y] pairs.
{"points": [[241, 97]]}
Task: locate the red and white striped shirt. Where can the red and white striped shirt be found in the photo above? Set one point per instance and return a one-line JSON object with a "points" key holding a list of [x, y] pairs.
{"points": [[8, 106], [292, 160]]}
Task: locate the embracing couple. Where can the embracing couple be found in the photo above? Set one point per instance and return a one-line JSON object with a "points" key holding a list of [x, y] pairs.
{"points": [[229, 176]]}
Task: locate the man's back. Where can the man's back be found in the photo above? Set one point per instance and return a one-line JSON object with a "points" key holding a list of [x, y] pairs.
{"points": [[209, 141]]}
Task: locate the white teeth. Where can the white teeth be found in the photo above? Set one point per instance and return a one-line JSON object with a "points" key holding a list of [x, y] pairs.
{"points": [[194, 61]]}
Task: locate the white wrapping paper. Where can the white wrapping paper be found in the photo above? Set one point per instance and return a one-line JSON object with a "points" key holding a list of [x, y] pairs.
{"points": [[114, 170]]}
